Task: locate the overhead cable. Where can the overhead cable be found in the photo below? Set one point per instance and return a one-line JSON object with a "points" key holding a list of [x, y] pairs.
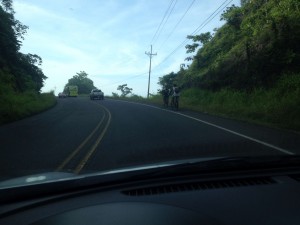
{"points": [[155, 34], [189, 7], [173, 3], [208, 20], [129, 78]]}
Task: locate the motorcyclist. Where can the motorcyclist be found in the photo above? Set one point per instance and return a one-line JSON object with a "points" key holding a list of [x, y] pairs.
{"points": [[165, 93], [175, 94]]}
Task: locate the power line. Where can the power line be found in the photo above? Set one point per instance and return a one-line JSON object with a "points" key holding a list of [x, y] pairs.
{"points": [[156, 35], [203, 24], [178, 23], [166, 20], [208, 19], [162, 20], [129, 78]]}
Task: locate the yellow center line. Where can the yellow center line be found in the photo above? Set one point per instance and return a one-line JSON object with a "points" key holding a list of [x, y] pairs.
{"points": [[67, 160], [93, 149]]}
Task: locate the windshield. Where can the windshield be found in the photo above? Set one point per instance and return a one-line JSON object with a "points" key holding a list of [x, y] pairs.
{"points": [[180, 81]]}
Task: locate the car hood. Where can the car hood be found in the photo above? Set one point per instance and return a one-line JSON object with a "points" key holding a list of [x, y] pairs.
{"points": [[196, 165]]}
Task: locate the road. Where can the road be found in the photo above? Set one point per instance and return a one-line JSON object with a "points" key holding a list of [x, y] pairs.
{"points": [[79, 135]]}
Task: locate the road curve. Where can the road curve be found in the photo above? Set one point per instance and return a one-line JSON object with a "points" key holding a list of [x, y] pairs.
{"points": [[79, 135], [42, 143], [141, 134]]}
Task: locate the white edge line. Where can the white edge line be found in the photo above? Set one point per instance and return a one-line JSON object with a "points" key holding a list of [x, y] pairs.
{"points": [[216, 126]]}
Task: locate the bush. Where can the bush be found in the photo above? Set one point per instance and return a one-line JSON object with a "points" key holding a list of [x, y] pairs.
{"points": [[279, 105], [15, 106]]}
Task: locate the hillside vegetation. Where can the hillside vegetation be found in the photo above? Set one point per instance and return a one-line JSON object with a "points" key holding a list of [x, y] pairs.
{"points": [[21, 78], [249, 68]]}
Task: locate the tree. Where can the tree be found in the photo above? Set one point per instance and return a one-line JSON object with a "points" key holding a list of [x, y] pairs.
{"points": [[22, 68], [85, 85], [32, 77], [257, 45], [203, 38], [167, 80], [8, 39], [115, 95], [233, 16], [244, 2], [8, 6], [124, 90], [19, 28]]}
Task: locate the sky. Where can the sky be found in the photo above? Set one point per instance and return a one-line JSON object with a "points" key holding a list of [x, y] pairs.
{"points": [[109, 39]]}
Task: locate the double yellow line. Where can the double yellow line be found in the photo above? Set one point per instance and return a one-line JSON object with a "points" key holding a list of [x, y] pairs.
{"points": [[84, 160]]}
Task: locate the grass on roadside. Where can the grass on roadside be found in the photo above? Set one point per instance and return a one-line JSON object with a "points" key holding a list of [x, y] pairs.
{"points": [[15, 106], [278, 106]]}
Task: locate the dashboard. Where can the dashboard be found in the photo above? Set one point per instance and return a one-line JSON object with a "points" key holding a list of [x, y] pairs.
{"points": [[259, 197]]}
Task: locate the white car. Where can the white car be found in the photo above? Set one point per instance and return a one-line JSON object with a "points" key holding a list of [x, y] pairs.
{"points": [[96, 94], [62, 95]]}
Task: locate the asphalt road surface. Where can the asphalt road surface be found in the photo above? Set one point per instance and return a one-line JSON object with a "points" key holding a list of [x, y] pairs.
{"points": [[79, 135]]}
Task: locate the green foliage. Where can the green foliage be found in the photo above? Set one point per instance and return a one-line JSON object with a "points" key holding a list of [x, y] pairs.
{"points": [[249, 68], [168, 80], [233, 16], [115, 95], [21, 79], [202, 38], [23, 70], [257, 45], [243, 2], [132, 97], [15, 106], [278, 106], [81, 80], [124, 90], [136, 97], [8, 5]]}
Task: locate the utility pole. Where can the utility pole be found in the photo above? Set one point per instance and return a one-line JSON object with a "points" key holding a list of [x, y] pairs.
{"points": [[150, 56]]}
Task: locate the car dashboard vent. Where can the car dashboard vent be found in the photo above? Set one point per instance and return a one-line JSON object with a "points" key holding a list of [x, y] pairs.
{"points": [[296, 177], [195, 186]]}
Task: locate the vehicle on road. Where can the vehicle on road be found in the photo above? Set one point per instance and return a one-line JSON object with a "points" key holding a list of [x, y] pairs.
{"points": [[71, 90], [62, 95], [136, 161], [96, 94]]}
